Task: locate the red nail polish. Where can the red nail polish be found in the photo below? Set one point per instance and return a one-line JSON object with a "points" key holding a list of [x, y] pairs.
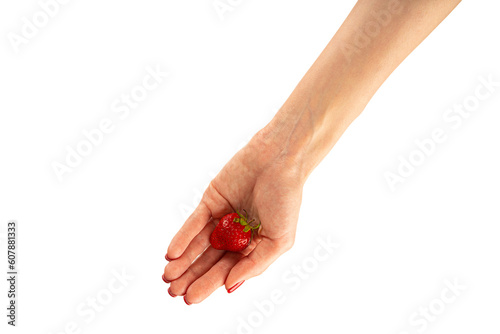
{"points": [[164, 279], [234, 287], [171, 294], [186, 301], [169, 259]]}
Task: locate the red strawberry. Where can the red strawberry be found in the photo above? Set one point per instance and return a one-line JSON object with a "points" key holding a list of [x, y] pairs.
{"points": [[233, 232]]}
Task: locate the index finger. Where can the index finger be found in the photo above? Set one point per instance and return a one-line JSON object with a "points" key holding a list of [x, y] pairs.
{"points": [[193, 225]]}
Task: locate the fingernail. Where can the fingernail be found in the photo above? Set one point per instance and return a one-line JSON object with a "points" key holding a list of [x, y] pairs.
{"points": [[169, 259], [164, 279], [234, 287], [171, 294], [188, 303]]}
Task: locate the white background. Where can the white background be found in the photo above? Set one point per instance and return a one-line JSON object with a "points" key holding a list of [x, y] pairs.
{"points": [[121, 206]]}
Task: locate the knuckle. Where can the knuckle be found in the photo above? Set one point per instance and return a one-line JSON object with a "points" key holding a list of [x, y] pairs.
{"points": [[193, 272], [287, 244]]}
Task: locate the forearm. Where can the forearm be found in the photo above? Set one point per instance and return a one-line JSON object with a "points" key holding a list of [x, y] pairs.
{"points": [[358, 59]]}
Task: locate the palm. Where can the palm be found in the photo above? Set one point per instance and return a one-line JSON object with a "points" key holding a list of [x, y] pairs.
{"points": [[269, 192]]}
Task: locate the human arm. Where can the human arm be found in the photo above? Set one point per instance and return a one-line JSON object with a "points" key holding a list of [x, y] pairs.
{"points": [[266, 177]]}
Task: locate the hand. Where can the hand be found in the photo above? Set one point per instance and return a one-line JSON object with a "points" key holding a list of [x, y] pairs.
{"points": [[267, 176], [268, 186]]}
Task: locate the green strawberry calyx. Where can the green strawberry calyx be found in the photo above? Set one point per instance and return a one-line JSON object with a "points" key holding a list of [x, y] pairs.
{"points": [[243, 220]]}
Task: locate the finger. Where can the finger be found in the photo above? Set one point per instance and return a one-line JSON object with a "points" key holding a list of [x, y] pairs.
{"points": [[211, 280], [199, 267], [200, 242], [265, 253], [193, 225]]}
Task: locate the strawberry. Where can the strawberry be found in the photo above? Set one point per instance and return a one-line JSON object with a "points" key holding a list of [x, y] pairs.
{"points": [[233, 232]]}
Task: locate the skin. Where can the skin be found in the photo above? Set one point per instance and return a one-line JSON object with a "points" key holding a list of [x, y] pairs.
{"points": [[267, 176]]}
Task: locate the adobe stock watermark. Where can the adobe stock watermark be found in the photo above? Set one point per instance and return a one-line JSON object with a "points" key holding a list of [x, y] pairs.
{"points": [[31, 26], [453, 118], [186, 209], [122, 106], [222, 7], [292, 279], [371, 29], [88, 310], [420, 320]]}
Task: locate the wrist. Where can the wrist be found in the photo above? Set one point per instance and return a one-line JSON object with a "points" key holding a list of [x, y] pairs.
{"points": [[298, 138], [324, 103]]}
